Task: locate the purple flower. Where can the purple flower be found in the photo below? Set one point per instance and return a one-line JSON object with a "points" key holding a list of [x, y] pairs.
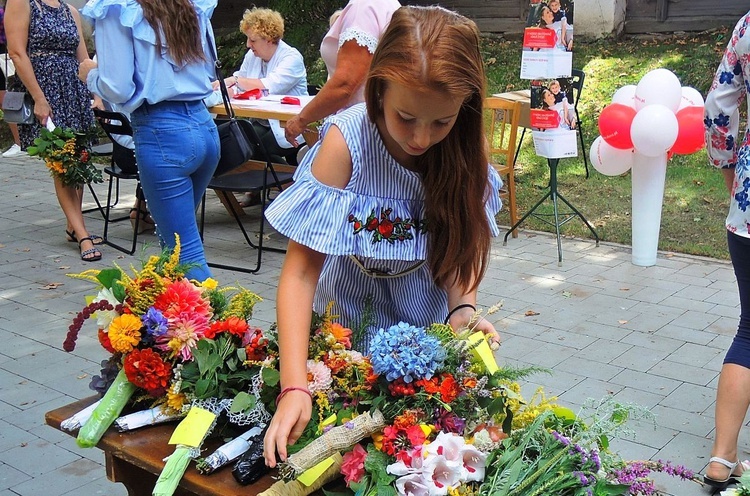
{"points": [[155, 322], [560, 438], [449, 422]]}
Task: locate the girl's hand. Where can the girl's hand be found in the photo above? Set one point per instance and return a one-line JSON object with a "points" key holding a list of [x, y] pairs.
{"points": [[293, 128], [292, 415], [462, 318]]}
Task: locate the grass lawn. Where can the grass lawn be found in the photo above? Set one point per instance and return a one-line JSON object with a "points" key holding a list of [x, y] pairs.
{"points": [[695, 199]]}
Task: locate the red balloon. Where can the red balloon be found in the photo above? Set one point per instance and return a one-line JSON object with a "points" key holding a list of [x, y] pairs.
{"points": [[690, 134], [614, 125]]}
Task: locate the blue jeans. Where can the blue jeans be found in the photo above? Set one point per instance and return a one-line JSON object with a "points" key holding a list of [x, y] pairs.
{"points": [[177, 149]]}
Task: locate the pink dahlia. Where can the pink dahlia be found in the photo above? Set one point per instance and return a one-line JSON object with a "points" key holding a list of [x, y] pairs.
{"points": [[182, 297]]}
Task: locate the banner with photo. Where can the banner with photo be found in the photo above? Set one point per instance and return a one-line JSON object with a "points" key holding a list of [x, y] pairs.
{"points": [[547, 60], [548, 40], [552, 118]]}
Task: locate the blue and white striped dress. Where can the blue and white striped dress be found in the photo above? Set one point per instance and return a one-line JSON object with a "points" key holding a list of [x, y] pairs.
{"points": [[372, 231]]}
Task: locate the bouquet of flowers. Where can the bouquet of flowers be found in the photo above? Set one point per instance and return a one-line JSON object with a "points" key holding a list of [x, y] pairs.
{"points": [[743, 487], [67, 156], [152, 323], [419, 383], [438, 416]]}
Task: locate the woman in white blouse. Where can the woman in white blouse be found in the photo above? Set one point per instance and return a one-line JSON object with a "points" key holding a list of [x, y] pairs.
{"points": [[270, 63]]}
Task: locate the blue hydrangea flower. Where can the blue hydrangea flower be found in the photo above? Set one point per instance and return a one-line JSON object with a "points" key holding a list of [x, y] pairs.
{"points": [[407, 352], [155, 322]]}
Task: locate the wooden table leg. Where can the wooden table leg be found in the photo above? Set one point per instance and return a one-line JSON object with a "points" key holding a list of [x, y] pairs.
{"points": [[230, 203], [137, 481]]}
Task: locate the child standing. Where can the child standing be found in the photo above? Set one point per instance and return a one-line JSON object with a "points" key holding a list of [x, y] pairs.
{"points": [[561, 102], [395, 205]]}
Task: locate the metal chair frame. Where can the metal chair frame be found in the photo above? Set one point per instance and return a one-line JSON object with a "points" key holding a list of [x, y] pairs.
{"points": [[116, 124], [248, 181]]}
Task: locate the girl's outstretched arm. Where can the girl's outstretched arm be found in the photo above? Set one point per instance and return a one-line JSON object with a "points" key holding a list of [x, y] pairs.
{"points": [[300, 272], [299, 277]]}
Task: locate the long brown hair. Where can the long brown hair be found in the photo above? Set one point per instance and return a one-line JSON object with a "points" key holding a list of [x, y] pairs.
{"points": [[439, 49], [177, 20]]}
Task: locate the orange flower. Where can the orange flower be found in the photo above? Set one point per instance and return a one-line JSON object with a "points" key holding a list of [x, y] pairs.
{"points": [[146, 369], [125, 332], [182, 297], [448, 388], [233, 325], [104, 340], [470, 382], [342, 334]]}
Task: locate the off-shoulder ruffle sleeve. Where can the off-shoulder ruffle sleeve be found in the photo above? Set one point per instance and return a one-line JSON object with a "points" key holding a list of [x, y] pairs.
{"points": [[130, 14], [379, 215]]}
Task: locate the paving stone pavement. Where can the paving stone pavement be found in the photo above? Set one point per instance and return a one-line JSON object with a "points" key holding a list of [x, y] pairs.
{"points": [[655, 336]]}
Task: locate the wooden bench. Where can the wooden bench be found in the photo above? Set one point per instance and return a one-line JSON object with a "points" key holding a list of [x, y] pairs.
{"points": [[135, 459]]}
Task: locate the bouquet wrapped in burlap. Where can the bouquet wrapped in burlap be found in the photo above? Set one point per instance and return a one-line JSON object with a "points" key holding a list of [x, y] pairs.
{"points": [[337, 439]]}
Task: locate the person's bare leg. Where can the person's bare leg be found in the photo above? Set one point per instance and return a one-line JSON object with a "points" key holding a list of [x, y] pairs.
{"points": [[70, 200], [14, 133], [732, 402]]}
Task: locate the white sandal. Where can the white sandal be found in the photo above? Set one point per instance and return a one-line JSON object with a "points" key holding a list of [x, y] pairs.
{"points": [[731, 478]]}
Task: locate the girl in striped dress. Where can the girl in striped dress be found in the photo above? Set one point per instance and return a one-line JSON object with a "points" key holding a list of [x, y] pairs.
{"points": [[393, 209]]}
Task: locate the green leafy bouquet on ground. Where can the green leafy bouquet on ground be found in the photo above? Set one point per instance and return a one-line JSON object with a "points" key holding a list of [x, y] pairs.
{"points": [[67, 155]]}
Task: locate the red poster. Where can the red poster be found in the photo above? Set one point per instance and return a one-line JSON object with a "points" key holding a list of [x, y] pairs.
{"points": [[536, 38]]}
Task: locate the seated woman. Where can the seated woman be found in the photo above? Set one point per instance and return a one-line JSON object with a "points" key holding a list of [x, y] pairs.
{"points": [[269, 64], [273, 65]]}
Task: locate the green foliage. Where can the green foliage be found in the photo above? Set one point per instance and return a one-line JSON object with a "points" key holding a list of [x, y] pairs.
{"points": [[305, 24], [218, 371]]}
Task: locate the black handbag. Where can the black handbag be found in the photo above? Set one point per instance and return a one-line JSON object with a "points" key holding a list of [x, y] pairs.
{"points": [[236, 147], [18, 108]]}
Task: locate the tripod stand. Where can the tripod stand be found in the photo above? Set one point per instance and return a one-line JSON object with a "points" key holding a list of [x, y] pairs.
{"points": [[558, 221]]}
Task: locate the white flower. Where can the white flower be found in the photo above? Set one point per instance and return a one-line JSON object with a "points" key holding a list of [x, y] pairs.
{"points": [[412, 485], [356, 357], [402, 468], [105, 317], [474, 463], [440, 474], [318, 376], [446, 444]]}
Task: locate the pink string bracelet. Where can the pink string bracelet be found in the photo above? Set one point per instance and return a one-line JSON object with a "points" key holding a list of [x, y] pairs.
{"points": [[292, 388]]}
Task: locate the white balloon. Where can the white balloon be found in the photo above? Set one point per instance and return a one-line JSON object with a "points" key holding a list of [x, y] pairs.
{"points": [[690, 98], [625, 95], [654, 130], [659, 86], [609, 160]]}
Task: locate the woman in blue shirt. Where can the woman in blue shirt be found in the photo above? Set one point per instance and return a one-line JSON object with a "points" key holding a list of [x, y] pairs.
{"points": [[155, 62]]}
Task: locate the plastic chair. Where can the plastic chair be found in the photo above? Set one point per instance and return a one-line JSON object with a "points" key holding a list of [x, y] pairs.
{"points": [[262, 182], [577, 78], [122, 166], [502, 132]]}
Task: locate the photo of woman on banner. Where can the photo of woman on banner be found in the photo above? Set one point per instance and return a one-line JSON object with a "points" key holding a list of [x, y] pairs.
{"points": [[550, 107], [548, 40], [552, 118]]}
